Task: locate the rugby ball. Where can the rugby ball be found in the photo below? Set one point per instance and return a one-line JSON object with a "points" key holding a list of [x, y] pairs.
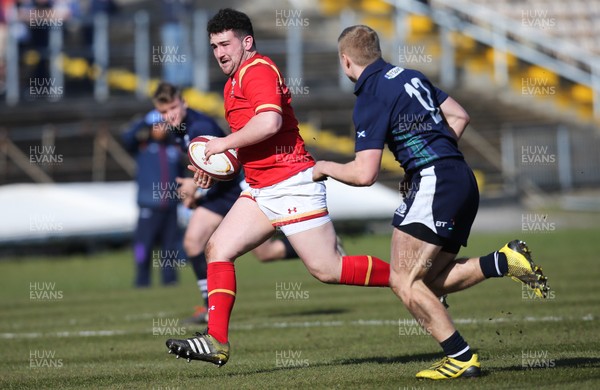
{"points": [[222, 166]]}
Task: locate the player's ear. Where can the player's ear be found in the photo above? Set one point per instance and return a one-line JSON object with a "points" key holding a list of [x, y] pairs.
{"points": [[345, 60], [248, 42]]}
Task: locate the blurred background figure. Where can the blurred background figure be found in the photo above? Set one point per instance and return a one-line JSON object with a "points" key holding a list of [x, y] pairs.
{"points": [[159, 162], [41, 16]]}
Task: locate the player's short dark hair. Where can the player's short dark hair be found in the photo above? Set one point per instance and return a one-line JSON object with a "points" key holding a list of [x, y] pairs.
{"points": [[361, 44], [230, 19], [166, 93]]}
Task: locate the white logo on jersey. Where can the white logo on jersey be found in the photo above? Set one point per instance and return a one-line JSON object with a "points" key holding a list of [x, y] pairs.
{"points": [[361, 134], [395, 71], [232, 85], [401, 210]]}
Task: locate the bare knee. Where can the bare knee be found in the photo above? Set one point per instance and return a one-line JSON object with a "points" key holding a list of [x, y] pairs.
{"points": [[217, 251], [211, 252], [403, 288], [191, 246], [265, 254]]}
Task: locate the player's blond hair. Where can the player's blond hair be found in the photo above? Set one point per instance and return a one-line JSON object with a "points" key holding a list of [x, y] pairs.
{"points": [[361, 44], [166, 93]]}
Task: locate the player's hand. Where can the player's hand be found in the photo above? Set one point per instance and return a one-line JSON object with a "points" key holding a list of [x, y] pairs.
{"points": [[317, 173], [186, 191], [215, 146], [201, 179]]}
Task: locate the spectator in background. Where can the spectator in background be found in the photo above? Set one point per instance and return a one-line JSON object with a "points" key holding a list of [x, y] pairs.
{"points": [[176, 43], [159, 162], [39, 18], [36, 15]]}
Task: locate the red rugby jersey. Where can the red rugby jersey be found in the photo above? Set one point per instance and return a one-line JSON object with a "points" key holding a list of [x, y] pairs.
{"points": [[257, 87]]}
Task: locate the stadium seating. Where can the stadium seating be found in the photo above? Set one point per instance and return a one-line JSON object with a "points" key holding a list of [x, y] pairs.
{"points": [[328, 108]]}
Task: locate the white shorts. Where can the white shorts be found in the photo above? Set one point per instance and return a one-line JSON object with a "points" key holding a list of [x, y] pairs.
{"points": [[294, 205]]}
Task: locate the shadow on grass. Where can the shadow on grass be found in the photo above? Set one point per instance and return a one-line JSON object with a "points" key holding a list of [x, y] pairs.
{"points": [[580, 362], [426, 358], [421, 357]]}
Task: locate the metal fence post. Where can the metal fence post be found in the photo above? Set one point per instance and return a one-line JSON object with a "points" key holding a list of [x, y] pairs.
{"points": [[347, 19], [595, 73], [201, 53], [563, 149], [101, 54], [56, 47], [12, 66], [500, 63], [142, 53], [509, 170], [447, 65], [294, 53], [401, 32]]}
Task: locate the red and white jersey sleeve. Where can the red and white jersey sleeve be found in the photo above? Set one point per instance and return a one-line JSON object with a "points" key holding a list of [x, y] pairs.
{"points": [[255, 88]]}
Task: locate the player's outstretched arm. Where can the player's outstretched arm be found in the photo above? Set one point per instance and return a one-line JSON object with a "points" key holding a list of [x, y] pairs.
{"points": [[260, 127], [361, 172], [456, 116]]}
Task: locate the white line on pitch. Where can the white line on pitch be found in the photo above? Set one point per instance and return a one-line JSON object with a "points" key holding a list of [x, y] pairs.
{"points": [[304, 324], [79, 333]]}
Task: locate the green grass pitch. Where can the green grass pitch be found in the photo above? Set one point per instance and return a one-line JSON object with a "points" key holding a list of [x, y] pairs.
{"points": [[76, 323]]}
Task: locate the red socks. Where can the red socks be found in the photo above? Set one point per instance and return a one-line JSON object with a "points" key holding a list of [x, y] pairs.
{"points": [[356, 271], [221, 296], [365, 271]]}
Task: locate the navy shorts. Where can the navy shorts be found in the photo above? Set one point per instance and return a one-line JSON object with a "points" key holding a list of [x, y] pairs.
{"points": [[440, 204], [221, 197]]}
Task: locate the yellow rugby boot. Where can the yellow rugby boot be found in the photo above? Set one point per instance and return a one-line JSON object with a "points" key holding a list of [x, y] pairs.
{"points": [[449, 368], [521, 267]]}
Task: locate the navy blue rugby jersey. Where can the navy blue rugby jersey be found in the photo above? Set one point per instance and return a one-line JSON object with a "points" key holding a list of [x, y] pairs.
{"points": [[401, 107]]}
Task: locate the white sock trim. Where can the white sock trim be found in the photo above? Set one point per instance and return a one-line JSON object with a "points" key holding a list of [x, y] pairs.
{"points": [[460, 353], [496, 263]]}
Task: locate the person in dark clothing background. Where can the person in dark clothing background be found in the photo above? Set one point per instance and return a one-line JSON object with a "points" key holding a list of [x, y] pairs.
{"points": [[159, 162]]}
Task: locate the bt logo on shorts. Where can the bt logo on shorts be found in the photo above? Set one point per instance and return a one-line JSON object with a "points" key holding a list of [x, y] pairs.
{"points": [[444, 224], [292, 210]]}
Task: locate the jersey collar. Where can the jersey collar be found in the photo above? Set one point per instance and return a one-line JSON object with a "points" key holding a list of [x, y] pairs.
{"points": [[369, 70], [243, 64]]}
